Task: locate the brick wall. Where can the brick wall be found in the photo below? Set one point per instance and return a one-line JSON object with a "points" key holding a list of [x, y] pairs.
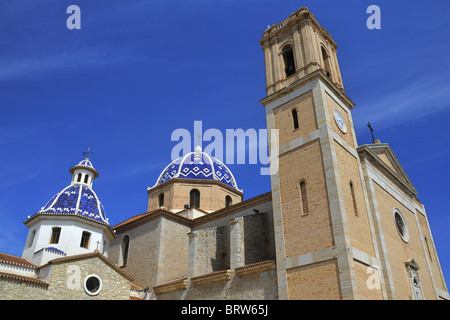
{"points": [[314, 281], [306, 118], [399, 251], [304, 232]]}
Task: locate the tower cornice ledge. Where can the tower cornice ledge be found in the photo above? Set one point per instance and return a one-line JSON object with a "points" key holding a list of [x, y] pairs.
{"points": [[301, 16], [318, 74]]}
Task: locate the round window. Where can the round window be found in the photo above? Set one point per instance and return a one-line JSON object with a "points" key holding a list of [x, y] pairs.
{"points": [[401, 225], [92, 285]]}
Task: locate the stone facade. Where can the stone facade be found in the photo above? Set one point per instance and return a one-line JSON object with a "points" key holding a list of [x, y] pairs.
{"points": [[253, 282], [17, 288], [65, 279], [341, 221], [348, 231], [185, 258]]}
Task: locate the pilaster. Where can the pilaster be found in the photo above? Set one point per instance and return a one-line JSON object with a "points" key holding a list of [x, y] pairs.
{"points": [[237, 250], [193, 248], [336, 203]]}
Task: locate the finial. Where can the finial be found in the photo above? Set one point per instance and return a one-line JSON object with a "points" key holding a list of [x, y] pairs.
{"points": [[87, 153], [198, 149], [371, 131]]}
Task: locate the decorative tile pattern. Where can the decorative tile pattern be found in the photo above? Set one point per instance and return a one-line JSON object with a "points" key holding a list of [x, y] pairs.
{"points": [[78, 200], [198, 165]]}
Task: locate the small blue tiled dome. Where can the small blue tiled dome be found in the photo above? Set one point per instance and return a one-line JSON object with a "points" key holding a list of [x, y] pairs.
{"points": [[198, 165], [76, 199]]}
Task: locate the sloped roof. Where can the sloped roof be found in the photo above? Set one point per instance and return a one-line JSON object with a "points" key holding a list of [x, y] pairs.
{"points": [[96, 253], [381, 156], [14, 260]]}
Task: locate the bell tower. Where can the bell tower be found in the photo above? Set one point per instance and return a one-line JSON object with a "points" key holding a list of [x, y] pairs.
{"points": [[318, 194], [296, 48]]}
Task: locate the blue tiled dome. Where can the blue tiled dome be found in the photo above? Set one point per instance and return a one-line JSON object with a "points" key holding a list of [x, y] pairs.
{"points": [[76, 199], [198, 165]]}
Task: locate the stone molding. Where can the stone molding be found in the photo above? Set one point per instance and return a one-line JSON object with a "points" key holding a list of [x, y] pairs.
{"points": [[179, 284], [257, 267], [215, 276]]}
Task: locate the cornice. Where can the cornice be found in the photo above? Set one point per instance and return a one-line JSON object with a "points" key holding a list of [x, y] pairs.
{"points": [[23, 278], [71, 216], [179, 284], [302, 17], [149, 216], [257, 267], [317, 74], [222, 275], [140, 219], [266, 197], [193, 181], [365, 152]]}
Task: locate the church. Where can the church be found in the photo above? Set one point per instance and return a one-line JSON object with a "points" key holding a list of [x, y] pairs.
{"points": [[342, 221]]}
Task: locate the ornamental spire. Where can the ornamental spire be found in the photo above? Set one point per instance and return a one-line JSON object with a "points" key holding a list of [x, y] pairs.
{"points": [[87, 153]]}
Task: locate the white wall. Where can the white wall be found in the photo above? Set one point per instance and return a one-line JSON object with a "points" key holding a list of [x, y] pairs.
{"points": [[72, 228]]}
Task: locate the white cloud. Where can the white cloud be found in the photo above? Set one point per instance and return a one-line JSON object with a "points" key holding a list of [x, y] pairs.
{"points": [[38, 65], [413, 100]]}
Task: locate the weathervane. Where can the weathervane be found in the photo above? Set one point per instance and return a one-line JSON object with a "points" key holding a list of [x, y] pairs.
{"points": [[371, 131], [87, 153]]}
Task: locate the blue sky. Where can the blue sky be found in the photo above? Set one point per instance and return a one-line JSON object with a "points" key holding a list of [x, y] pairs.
{"points": [[138, 70]]}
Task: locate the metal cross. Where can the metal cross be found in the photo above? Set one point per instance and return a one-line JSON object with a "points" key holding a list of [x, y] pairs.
{"points": [[371, 131]]}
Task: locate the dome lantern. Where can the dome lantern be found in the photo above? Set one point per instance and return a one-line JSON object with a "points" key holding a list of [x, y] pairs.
{"points": [[84, 173]]}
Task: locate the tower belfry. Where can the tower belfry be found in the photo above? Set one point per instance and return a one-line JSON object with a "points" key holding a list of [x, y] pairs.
{"points": [[295, 48], [318, 192]]}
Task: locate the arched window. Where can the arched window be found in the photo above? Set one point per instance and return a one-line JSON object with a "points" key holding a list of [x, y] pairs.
{"points": [[326, 62], [85, 239], [161, 200], [55, 235], [414, 277], [352, 191], [31, 240], [125, 246], [194, 198], [228, 201], [304, 197], [295, 118], [79, 177], [289, 62], [86, 178]]}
